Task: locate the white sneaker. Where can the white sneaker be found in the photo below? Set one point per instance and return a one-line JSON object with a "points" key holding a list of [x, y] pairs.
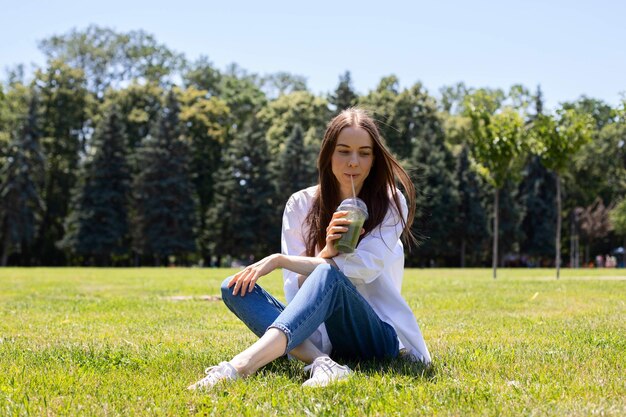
{"points": [[215, 374], [324, 370]]}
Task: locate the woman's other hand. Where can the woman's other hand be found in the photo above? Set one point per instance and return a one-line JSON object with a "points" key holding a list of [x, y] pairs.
{"points": [[244, 280]]}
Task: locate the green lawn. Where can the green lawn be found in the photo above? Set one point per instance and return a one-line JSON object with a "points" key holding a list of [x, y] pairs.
{"points": [[113, 342]]}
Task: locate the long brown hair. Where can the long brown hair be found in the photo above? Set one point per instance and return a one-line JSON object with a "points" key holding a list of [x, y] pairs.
{"points": [[381, 181]]}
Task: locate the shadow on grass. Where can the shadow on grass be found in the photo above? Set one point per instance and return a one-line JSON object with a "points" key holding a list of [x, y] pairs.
{"points": [[294, 369], [395, 367]]}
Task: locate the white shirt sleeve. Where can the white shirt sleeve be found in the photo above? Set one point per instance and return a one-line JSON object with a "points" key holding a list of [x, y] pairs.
{"points": [[292, 243], [376, 250]]}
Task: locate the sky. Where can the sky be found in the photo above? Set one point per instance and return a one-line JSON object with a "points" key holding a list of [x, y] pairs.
{"points": [[569, 48]]}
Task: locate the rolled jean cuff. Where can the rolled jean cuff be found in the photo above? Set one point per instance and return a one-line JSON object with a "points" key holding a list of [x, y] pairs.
{"points": [[286, 331]]}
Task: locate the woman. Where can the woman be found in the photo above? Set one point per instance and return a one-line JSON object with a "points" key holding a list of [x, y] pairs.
{"points": [[347, 305]]}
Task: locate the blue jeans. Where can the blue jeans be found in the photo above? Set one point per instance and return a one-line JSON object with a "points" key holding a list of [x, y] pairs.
{"points": [[327, 296]]}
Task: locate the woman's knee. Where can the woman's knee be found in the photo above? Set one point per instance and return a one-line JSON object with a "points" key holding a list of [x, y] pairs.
{"points": [[325, 274], [226, 292]]}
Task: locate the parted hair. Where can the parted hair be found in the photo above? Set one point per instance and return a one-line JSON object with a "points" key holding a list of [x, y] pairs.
{"points": [[386, 173]]}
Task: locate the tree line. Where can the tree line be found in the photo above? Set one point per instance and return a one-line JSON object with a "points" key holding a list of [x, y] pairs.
{"points": [[120, 151]]}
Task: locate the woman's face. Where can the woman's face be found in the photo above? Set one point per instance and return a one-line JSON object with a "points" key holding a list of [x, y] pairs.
{"points": [[352, 159]]}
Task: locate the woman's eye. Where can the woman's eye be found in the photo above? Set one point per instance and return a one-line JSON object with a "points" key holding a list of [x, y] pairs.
{"points": [[365, 154], [344, 152]]}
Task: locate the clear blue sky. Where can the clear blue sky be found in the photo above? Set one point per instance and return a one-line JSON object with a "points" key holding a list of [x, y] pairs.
{"points": [[569, 47]]}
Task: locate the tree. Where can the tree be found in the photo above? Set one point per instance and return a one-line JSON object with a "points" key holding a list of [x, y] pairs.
{"points": [[21, 180], [275, 85], [97, 226], [415, 119], [344, 95], [592, 173], [471, 221], [139, 106], [557, 140], [64, 105], [281, 117], [538, 193], [510, 216], [203, 76], [538, 98], [294, 170], [243, 96], [437, 202], [382, 102], [298, 108], [205, 120], [594, 222], [496, 138], [520, 99], [404, 116], [163, 191], [109, 59], [617, 218], [601, 112], [15, 99], [5, 130], [241, 221], [453, 97]]}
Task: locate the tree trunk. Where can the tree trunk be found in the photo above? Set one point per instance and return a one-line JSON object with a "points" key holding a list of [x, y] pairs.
{"points": [[577, 251], [206, 259], [572, 241], [496, 201], [557, 256], [5, 250], [463, 253]]}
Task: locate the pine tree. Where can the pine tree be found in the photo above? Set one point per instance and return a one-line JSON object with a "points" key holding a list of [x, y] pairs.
{"points": [[206, 127], [242, 221], [65, 105], [294, 170], [383, 103], [97, 225], [165, 203], [538, 102], [511, 213], [344, 95], [472, 218], [21, 181], [438, 198], [538, 192]]}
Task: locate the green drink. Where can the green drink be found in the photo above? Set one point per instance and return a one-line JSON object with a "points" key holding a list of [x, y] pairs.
{"points": [[357, 214]]}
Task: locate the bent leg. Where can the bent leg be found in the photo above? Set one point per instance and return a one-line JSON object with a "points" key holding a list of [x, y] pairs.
{"points": [[257, 309], [354, 328]]}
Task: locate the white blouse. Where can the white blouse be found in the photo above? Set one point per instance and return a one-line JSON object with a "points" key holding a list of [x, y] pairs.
{"points": [[375, 268]]}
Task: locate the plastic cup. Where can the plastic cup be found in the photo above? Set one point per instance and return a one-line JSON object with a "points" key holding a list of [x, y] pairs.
{"points": [[357, 214]]}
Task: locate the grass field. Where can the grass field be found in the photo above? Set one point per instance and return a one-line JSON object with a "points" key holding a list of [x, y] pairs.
{"points": [[115, 342]]}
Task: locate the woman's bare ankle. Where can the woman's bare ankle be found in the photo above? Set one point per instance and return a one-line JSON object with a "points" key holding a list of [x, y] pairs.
{"points": [[242, 366]]}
